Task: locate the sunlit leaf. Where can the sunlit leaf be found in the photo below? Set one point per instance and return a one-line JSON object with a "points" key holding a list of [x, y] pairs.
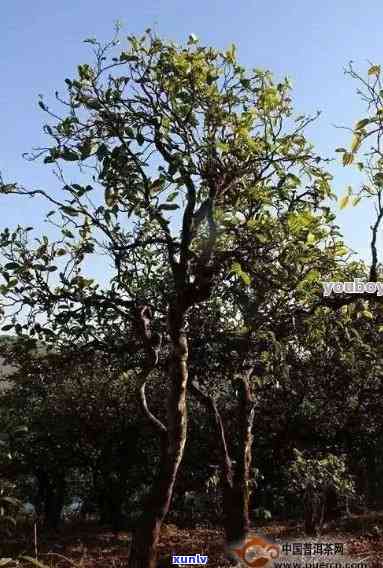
{"points": [[344, 201], [374, 70], [347, 158]]}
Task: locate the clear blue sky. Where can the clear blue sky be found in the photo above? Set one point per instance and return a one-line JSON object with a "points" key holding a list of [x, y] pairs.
{"points": [[311, 41]]}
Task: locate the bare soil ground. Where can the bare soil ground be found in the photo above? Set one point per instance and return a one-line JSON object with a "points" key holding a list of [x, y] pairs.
{"points": [[89, 546]]}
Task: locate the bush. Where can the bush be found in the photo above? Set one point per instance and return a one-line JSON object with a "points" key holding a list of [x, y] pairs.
{"points": [[322, 485]]}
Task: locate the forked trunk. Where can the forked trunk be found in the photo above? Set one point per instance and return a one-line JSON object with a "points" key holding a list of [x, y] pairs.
{"points": [[235, 485], [143, 552]]}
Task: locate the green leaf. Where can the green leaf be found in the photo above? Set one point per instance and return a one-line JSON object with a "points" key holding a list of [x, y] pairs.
{"points": [[362, 123], [69, 155], [378, 179], [356, 200], [11, 266], [246, 83], [87, 149], [344, 201], [102, 151], [61, 252], [192, 39], [69, 211], [312, 276], [126, 57], [367, 314], [262, 238], [157, 184], [130, 132], [347, 158], [341, 250], [230, 53], [245, 278], [110, 197], [236, 268], [355, 143], [107, 217], [172, 196], [222, 146], [374, 70]]}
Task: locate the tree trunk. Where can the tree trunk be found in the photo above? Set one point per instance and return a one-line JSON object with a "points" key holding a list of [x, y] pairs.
{"points": [[238, 520], [40, 496], [143, 552], [110, 492], [55, 502], [235, 486], [310, 511], [50, 498]]}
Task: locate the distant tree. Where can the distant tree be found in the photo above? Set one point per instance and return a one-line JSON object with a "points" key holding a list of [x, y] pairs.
{"points": [[81, 414]]}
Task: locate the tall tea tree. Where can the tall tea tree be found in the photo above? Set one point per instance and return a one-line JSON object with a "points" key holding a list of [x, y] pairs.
{"points": [[183, 147]]}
